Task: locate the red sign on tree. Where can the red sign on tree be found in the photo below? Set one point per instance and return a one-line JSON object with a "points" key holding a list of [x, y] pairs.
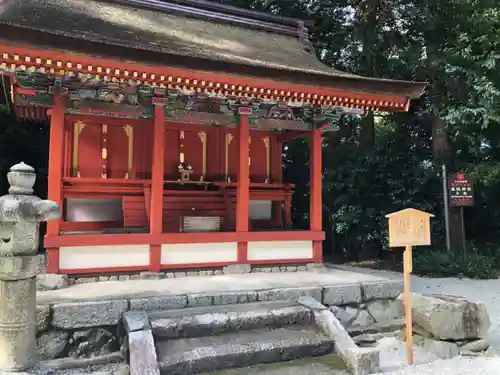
{"points": [[461, 190]]}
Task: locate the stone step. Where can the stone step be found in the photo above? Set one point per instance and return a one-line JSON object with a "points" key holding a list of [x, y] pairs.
{"points": [[216, 320], [326, 365], [188, 356]]}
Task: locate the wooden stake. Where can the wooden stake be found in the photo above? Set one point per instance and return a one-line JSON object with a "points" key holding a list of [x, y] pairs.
{"points": [[407, 269]]}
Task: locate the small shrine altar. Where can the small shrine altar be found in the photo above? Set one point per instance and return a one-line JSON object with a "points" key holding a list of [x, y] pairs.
{"points": [[167, 126]]}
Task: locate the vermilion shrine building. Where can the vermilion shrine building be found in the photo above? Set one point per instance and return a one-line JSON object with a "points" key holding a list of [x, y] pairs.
{"points": [[167, 122]]}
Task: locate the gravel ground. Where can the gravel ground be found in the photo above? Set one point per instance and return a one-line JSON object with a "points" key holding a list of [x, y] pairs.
{"points": [[485, 291]]}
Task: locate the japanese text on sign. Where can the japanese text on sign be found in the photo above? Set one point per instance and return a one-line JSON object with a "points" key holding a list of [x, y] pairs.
{"points": [[409, 227], [461, 190]]}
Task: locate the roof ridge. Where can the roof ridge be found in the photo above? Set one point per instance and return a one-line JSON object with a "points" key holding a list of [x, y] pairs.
{"points": [[211, 5], [223, 13]]}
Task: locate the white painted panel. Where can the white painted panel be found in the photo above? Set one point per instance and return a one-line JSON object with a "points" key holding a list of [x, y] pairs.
{"points": [[260, 210], [199, 253], [83, 209], [270, 250], [81, 257]]}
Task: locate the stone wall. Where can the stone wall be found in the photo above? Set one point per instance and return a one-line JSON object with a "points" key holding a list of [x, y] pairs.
{"points": [[71, 280], [82, 330], [181, 273]]}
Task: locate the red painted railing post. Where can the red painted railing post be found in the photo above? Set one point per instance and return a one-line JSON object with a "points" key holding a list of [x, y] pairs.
{"points": [[243, 186], [316, 209], [55, 177], [156, 208]]}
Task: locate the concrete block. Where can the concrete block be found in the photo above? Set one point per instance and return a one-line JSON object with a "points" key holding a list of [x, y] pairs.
{"points": [[381, 289], [72, 315], [289, 293], [159, 303], [342, 294], [136, 321]]}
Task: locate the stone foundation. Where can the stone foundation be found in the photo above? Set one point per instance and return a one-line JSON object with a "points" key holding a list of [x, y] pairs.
{"points": [[52, 282], [80, 331], [177, 274]]}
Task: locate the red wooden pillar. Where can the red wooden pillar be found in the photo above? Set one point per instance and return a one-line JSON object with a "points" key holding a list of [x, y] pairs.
{"points": [[156, 209], [243, 186], [55, 177], [316, 209]]}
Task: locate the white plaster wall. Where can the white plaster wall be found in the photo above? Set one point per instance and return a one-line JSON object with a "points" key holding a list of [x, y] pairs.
{"points": [[80, 257], [83, 209], [270, 250], [199, 253]]}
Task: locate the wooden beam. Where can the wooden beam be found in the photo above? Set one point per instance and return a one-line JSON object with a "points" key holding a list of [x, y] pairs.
{"points": [[291, 135], [156, 213], [121, 70], [55, 177], [181, 238]]}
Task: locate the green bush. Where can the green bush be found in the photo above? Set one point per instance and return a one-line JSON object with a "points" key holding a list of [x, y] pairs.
{"points": [[477, 264]]}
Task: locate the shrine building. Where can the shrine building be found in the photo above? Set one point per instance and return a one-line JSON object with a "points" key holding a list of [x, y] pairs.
{"points": [[167, 124]]}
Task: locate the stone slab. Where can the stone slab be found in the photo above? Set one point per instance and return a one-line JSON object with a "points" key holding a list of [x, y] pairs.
{"points": [[204, 354], [136, 321], [381, 289], [360, 361], [289, 293], [197, 300], [74, 315], [214, 285], [311, 303], [142, 353], [69, 363], [159, 303], [215, 321], [232, 298], [342, 294]]}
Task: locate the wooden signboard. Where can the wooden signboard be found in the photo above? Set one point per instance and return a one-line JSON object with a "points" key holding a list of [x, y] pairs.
{"points": [[460, 190], [409, 228]]}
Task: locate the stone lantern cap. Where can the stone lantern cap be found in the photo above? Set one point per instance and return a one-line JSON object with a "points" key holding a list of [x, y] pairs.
{"points": [[20, 204]]}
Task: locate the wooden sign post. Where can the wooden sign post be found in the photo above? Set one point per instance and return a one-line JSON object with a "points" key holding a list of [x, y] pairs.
{"points": [[408, 228]]}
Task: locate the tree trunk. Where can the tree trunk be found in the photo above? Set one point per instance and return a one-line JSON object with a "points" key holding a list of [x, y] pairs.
{"points": [[368, 17]]}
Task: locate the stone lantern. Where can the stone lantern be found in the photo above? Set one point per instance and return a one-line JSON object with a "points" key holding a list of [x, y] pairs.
{"points": [[20, 215]]}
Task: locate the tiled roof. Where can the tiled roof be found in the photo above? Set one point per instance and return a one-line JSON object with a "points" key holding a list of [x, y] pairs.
{"points": [[228, 39]]}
